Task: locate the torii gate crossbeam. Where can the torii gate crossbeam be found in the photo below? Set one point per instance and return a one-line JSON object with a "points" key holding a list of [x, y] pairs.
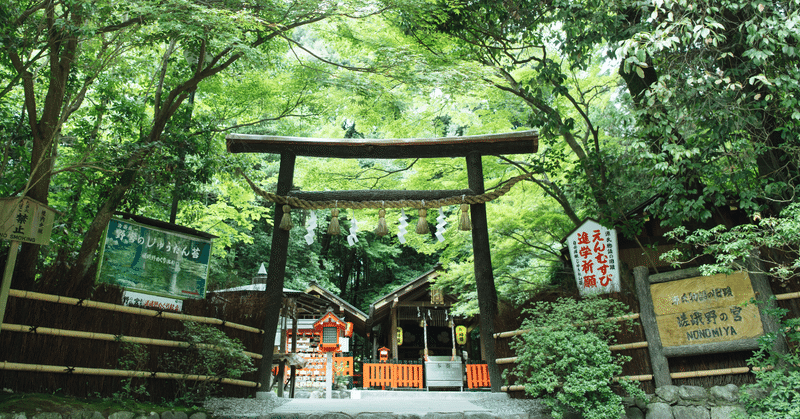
{"points": [[470, 147]]}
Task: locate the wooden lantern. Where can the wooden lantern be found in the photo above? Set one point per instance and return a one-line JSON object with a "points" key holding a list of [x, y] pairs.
{"points": [[329, 328]]}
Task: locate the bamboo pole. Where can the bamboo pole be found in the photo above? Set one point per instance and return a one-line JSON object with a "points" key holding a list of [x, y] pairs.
{"points": [[621, 347], [787, 296], [512, 333], [13, 366], [709, 373], [130, 310], [642, 377], [626, 346], [111, 338], [511, 360], [674, 375]]}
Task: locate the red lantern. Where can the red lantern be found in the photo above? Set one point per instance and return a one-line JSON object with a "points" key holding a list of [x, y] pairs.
{"points": [[329, 328]]}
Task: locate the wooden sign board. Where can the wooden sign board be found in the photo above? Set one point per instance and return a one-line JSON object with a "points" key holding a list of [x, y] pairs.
{"points": [[706, 309], [26, 220]]}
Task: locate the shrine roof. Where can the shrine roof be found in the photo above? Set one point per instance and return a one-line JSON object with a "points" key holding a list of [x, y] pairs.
{"points": [[520, 142]]}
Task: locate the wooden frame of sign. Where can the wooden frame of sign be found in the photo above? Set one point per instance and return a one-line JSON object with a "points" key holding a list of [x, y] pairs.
{"points": [[686, 314]]}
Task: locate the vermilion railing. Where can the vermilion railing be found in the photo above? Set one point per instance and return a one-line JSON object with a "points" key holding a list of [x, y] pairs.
{"points": [[392, 375], [478, 376]]}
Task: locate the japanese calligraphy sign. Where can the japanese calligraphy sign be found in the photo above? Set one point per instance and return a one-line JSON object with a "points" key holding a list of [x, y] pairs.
{"points": [[706, 310], [25, 220], [153, 302], [594, 255], [153, 260]]}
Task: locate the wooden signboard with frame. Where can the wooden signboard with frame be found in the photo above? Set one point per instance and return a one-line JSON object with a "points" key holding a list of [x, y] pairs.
{"points": [[704, 310]]}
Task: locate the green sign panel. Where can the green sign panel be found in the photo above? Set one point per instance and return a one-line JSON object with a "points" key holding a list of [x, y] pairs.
{"points": [[154, 260]]}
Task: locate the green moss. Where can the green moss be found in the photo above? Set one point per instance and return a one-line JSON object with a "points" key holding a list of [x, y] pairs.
{"points": [[32, 403]]}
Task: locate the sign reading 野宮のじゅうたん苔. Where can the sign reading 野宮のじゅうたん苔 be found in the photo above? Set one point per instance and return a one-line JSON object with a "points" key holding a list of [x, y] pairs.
{"points": [[594, 255], [706, 309], [154, 260]]}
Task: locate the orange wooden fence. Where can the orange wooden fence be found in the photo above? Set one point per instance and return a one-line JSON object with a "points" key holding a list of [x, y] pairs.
{"points": [[478, 376], [392, 375]]}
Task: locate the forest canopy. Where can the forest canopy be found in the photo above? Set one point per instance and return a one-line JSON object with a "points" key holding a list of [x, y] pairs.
{"points": [[676, 108]]}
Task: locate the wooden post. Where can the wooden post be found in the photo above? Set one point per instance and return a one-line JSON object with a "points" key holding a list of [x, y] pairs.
{"points": [[647, 315], [393, 335], [484, 278], [275, 273], [293, 374], [5, 287], [282, 363], [764, 297]]}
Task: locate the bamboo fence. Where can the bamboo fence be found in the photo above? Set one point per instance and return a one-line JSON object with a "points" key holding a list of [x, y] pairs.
{"points": [[13, 366], [112, 338], [130, 310]]}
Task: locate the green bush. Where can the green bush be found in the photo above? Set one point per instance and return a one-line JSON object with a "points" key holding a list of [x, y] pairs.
{"points": [[210, 353], [564, 358], [776, 393]]}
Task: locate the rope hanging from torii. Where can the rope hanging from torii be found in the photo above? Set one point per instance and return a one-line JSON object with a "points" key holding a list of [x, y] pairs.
{"points": [[289, 202]]}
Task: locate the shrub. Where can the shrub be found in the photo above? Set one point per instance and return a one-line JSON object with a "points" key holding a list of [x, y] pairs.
{"points": [[776, 393], [564, 358], [210, 353]]}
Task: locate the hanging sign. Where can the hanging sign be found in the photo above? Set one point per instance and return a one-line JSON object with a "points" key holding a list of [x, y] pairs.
{"points": [[154, 260], [594, 255], [706, 309], [26, 220]]}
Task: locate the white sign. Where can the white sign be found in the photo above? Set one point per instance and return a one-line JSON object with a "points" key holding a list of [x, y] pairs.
{"points": [[25, 220], [595, 258], [154, 302]]}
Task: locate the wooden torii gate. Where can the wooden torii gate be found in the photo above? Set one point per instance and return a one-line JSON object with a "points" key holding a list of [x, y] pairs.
{"points": [[470, 147]]}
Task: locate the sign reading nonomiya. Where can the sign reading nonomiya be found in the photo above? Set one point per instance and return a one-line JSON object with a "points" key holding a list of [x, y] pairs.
{"points": [[153, 260], [706, 309], [594, 255]]}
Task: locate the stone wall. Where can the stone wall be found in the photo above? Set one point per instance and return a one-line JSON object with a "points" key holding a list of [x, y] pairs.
{"points": [[689, 402]]}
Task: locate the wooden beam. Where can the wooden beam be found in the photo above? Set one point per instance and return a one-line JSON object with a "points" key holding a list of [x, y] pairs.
{"points": [[379, 195], [523, 142]]}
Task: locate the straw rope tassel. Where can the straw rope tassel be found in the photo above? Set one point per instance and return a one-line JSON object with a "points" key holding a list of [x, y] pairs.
{"points": [[464, 223], [333, 227], [286, 219], [382, 229], [422, 223]]}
